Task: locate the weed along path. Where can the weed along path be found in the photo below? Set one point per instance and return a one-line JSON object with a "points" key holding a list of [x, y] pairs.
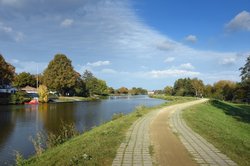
{"points": [[160, 129]]}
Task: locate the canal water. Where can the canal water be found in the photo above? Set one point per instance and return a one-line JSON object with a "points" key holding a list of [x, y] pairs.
{"points": [[18, 123]]}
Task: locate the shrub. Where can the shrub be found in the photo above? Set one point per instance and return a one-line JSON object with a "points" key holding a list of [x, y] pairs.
{"points": [[117, 115]]}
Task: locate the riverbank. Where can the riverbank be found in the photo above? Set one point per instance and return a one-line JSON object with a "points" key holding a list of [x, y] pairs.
{"points": [[175, 99], [74, 99], [95, 147], [225, 125]]}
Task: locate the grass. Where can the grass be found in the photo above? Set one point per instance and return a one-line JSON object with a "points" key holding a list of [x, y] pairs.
{"points": [[95, 147], [225, 125], [174, 99], [74, 98]]}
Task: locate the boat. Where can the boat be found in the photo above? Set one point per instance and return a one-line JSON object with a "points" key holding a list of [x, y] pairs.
{"points": [[33, 101]]}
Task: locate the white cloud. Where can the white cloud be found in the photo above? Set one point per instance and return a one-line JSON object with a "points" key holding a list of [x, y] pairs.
{"points": [[187, 66], [98, 63], [240, 22], [28, 66], [167, 45], [171, 73], [7, 33], [108, 71], [67, 22], [113, 28], [228, 61], [191, 38], [91, 66], [169, 59], [213, 77]]}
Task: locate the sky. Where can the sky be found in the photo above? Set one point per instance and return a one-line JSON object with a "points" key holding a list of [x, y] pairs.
{"points": [[131, 43]]}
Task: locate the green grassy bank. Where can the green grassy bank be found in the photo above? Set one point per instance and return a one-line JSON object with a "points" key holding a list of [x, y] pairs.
{"points": [[95, 147], [74, 99], [174, 99], [225, 125]]}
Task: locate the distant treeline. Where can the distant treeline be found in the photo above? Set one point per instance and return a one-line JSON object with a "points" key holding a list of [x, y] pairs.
{"points": [[222, 90]]}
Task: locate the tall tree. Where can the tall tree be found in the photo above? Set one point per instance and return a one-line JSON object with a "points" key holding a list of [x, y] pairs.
{"points": [[43, 94], [24, 79], [245, 70], [168, 90], [123, 90], [223, 89], [198, 86], [7, 72], [183, 87], [94, 86], [245, 83], [60, 74]]}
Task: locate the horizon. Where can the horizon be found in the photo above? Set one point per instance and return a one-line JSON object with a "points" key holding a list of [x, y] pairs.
{"points": [[133, 44]]}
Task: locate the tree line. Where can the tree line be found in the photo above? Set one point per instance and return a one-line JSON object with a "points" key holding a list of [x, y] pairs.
{"points": [[222, 90], [60, 77]]}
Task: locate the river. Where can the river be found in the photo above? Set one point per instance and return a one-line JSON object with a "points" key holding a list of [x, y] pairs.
{"points": [[18, 123]]}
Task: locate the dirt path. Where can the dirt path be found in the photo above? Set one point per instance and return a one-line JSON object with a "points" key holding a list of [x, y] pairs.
{"points": [[168, 148], [161, 128]]}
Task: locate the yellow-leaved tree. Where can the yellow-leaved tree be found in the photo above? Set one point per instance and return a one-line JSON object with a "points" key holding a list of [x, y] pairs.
{"points": [[43, 93]]}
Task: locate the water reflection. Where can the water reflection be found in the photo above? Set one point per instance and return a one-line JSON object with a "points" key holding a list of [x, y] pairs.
{"points": [[18, 123]]}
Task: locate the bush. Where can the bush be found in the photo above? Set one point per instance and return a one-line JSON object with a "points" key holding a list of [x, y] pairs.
{"points": [[67, 132], [19, 98], [139, 110], [117, 115], [43, 94]]}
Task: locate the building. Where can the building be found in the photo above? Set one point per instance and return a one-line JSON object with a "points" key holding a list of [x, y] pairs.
{"points": [[151, 92], [7, 89], [29, 89]]}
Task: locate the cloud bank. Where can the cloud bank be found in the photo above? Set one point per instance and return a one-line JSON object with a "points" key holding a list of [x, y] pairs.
{"points": [[95, 33]]}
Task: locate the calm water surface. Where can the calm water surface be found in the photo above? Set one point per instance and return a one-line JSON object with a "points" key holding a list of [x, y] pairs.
{"points": [[20, 122]]}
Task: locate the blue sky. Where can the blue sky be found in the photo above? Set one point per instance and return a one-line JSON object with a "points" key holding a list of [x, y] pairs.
{"points": [[147, 44]]}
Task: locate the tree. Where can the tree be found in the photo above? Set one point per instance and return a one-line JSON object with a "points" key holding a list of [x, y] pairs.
{"points": [[244, 87], [60, 75], [198, 86], [123, 90], [94, 86], [24, 79], [224, 89], [168, 90], [183, 87], [138, 91], [111, 90], [80, 88], [7, 72], [245, 71], [43, 94], [208, 90]]}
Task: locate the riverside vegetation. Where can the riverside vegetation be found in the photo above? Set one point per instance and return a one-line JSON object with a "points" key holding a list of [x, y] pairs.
{"points": [[225, 125], [95, 147]]}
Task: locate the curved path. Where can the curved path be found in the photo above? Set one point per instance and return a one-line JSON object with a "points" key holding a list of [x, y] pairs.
{"points": [[203, 152], [135, 149], [155, 129]]}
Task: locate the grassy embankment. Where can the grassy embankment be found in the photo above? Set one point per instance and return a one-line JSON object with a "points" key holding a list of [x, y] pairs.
{"points": [[74, 98], [97, 146], [225, 125]]}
